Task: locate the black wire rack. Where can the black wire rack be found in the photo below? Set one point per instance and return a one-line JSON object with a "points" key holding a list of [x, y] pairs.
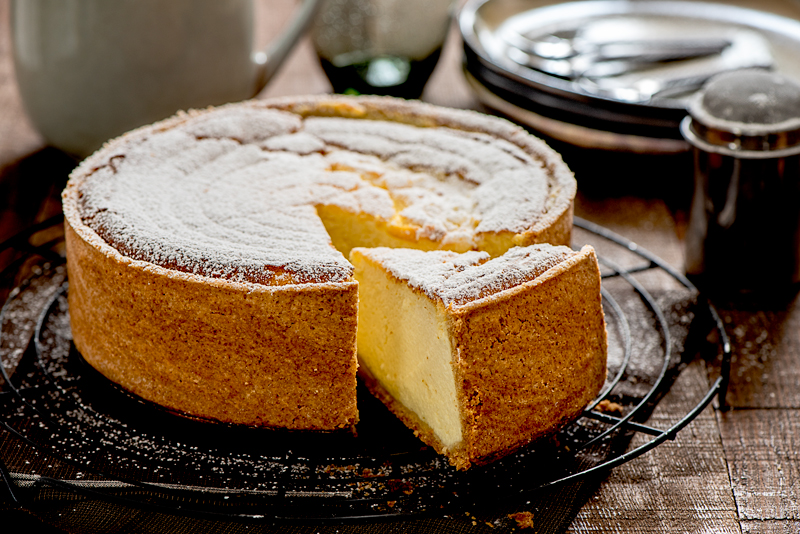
{"points": [[119, 449]]}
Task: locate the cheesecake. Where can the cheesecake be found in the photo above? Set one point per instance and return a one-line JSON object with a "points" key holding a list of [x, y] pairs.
{"points": [[208, 253]]}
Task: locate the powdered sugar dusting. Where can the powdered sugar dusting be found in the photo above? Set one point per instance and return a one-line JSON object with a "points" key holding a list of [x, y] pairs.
{"points": [[457, 279], [243, 124], [231, 193]]}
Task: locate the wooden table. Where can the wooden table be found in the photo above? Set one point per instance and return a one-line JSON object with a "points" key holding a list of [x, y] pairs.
{"points": [[728, 472]]}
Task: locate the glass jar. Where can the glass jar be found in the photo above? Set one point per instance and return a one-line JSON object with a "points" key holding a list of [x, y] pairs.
{"points": [[386, 47]]}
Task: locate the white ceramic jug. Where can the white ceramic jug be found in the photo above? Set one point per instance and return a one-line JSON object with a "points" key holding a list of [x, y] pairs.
{"points": [[89, 70]]}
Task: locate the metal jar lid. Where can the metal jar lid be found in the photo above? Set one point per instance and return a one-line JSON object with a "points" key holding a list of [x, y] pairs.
{"points": [[746, 114]]}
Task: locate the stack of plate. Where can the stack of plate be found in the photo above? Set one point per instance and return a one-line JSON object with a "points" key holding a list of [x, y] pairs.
{"points": [[614, 74]]}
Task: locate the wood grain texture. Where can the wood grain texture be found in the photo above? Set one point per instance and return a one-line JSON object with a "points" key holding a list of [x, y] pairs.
{"points": [[770, 527], [31, 175], [680, 486], [765, 369], [763, 453], [17, 136], [646, 222]]}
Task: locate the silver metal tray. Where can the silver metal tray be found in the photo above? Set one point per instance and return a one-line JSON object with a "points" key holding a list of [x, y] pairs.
{"points": [[564, 109]]}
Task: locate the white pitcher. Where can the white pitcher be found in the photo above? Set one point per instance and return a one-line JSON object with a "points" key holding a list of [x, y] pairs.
{"points": [[89, 70]]}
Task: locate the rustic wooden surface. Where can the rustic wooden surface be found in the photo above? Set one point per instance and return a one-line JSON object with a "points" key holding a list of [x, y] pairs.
{"points": [[727, 472]]}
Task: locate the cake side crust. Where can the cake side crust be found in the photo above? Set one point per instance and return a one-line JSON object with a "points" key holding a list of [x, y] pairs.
{"points": [[530, 359], [169, 338]]}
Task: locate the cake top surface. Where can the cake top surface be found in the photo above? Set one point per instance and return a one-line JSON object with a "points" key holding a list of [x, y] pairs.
{"points": [[232, 192], [458, 279]]}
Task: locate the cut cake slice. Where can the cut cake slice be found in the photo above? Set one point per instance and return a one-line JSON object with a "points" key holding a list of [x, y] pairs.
{"points": [[481, 356]]}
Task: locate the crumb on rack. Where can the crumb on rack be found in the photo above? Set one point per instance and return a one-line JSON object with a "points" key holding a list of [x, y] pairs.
{"points": [[606, 406], [523, 519]]}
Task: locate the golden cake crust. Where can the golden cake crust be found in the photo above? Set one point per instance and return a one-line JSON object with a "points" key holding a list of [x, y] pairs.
{"points": [[214, 349], [546, 374]]}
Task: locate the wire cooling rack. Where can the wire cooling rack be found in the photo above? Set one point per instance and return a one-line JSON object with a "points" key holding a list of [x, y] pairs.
{"points": [[117, 448]]}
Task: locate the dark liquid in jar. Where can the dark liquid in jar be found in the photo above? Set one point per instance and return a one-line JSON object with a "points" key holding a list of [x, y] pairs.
{"points": [[381, 75]]}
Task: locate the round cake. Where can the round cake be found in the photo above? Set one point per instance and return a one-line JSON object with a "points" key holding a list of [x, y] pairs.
{"points": [[207, 254]]}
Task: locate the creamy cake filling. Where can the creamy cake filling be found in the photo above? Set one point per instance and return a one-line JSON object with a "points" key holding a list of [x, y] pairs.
{"points": [[403, 340]]}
